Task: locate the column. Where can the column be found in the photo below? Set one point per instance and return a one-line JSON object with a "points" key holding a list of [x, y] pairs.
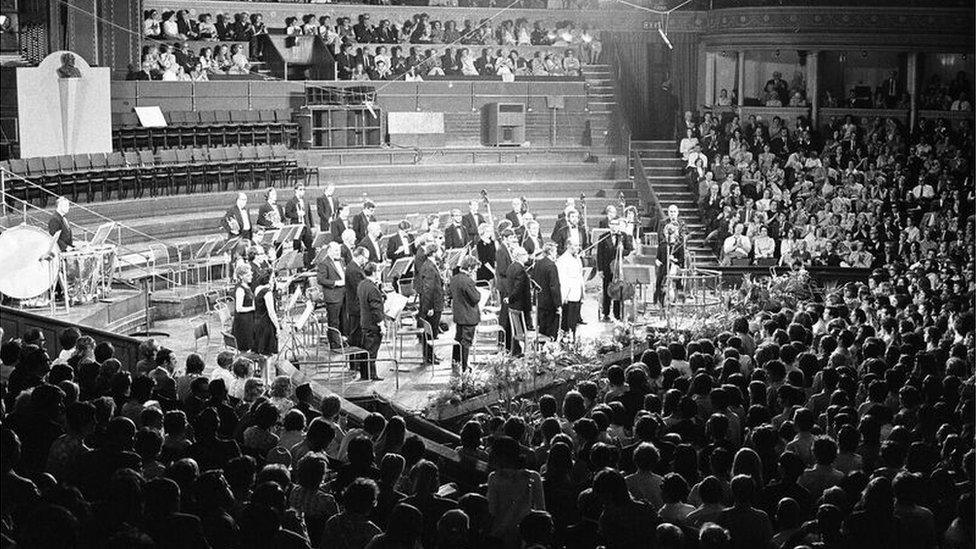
{"points": [[813, 85], [911, 85], [740, 80], [710, 57]]}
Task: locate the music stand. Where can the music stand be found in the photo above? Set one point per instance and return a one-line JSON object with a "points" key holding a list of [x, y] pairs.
{"points": [[101, 234], [400, 268], [289, 260], [321, 239], [268, 237], [202, 256], [288, 233], [452, 257], [640, 275], [229, 246], [321, 255]]}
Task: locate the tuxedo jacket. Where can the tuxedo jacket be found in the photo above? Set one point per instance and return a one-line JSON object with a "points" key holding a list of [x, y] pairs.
{"points": [[430, 286], [359, 223], [470, 222], [393, 251], [59, 223], [234, 213], [464, 300], [329, 272], [606, 251], [561, 237], [503, 259], [520, 290], [455, 236], [326, 211], [370, 306], [337, 227], [294, 217], [374, 250], [546, 275], [354, 275], [514, 218], [266, 216]]}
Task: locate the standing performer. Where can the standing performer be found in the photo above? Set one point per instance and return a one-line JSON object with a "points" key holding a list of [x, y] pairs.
{"points": [[454, 234], [485, 252], [340, 222], [297, 212], [243, 326], [571, 283], [572, 232], [472, 220], [546, 275], [237, 220], [371, 320], [503, 259], [59, 222], [372, 241], [354, 275], [429, 286], [332, 276], [269, 214], [327, 207], [531, 240], [519, 294], [464, 303], [362, 220], [670, 251], [400, 245], [266, 324], [515, 216], [608, 258]]}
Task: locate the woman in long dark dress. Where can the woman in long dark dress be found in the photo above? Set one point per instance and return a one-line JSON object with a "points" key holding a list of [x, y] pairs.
{"points": [[243, 327], [266, 323], [485, 250]]}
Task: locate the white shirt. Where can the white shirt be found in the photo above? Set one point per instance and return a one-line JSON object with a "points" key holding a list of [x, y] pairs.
{"points": [[245, 219], [570, 269], [574, 235], [764, 247]]}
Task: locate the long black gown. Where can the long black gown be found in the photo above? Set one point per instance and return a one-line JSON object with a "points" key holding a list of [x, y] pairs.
{"points": [[265, 335], [243, 326]]}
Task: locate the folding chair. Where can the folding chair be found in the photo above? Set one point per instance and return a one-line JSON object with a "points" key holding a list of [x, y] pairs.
{"points": [[516, 319], [201, 331], [69, 174], [227, 129], [188, 171], [124, 175], [428, 341], [149, 174], [172, 170]]}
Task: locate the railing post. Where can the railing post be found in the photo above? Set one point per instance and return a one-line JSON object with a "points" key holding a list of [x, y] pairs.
{"points": [[3, 192]]}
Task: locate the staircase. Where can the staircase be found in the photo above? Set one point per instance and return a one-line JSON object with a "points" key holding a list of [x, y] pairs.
{"points": [[599, 100], [663, 166]]}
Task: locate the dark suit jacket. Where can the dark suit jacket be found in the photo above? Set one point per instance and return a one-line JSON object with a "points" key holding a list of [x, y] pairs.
{"points": [[346, 254], [336, 228], [345, 63], [292, 215], [561, 237], [59, 223], [325, 210], [364, 33], [470, 224], [429, 285], [546, 276], [327, 275], [370, 306], [393, 251], [455, 236], [502, 261], [530, 245], [520, 289], [374, 251], [359, 223], [464, 300], [606, 251], [558, 227], [354, 275], [514, 218], [235, 214], [264, 220]]}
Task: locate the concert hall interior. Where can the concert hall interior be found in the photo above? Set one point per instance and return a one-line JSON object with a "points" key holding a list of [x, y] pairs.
{"points": [[487, 274]]}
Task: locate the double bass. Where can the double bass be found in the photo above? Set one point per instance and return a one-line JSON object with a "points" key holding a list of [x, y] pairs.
{"points": [[618, 289]]}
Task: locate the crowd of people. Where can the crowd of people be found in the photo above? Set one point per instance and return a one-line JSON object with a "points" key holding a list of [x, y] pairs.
{"points": [[180, 63], [860, 193]]}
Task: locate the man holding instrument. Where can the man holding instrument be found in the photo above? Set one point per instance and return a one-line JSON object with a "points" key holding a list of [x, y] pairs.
{"points": [[610, 253]]}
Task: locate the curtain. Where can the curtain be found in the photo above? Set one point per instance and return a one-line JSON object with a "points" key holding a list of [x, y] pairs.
{"points": [[684, 69], [629, 56]]}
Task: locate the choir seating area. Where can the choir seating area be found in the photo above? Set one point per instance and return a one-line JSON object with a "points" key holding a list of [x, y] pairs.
{"points": [[206, 128]]}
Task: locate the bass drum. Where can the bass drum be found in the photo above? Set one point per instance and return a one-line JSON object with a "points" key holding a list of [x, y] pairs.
{"points": [[30, 260]]}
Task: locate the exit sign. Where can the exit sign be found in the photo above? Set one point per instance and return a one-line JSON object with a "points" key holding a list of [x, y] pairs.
{"points": [[652, 25]]}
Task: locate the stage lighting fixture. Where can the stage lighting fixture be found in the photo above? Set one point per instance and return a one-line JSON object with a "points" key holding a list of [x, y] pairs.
{"points": [[665, 38]]}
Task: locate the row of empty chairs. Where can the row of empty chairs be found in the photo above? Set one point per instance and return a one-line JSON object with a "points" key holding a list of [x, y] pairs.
{"points": [[140, 173], [205, 129]]}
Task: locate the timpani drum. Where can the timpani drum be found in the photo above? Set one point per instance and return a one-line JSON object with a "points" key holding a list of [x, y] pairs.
{"points": [[29, 262]]}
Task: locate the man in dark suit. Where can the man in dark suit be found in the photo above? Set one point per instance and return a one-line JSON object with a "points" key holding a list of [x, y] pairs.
{"points": [[472, 220], [890, 89], [429, 285], [503, 259], [550, 298], [59, 222], [571, 231], [237, 220], [298, 212], [519, 293], [331, 276], [401, 244], [327, 207], [363, 30], [515, 215], [454, 234], [363, 219], [372, 242], [464, 303], [269, 213], [345, 62], [340, 222], [371, 318], [354, 275], [616, 243]]}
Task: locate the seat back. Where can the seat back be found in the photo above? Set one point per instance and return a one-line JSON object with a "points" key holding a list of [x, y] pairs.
{"points": [[249, 153], [201, 330], [115, 160], [267, 116], [191, 118], [130, 120], [99, 161], [425, 326], [217, 154], [168, 156], [131, 158], [516, 319], [222, 116], [184, 156], [233, 153], [66, 163], [279, 150], [35, 166], [51, 165], [237, 116], [283, 115], [147, 158], [200, 155], [207, 117], [252, 116], [176, 118], [83, 162], [18, 166], [264, 152]]}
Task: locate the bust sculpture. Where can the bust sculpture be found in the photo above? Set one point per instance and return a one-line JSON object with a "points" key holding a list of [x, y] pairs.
{"points": [[68, 68]]}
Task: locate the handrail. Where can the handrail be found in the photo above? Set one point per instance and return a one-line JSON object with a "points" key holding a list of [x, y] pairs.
{"points": [[645, 191]]}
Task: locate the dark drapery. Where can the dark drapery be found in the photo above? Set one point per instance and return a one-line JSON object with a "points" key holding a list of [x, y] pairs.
{"points": [[684, 70], [627, 53]]}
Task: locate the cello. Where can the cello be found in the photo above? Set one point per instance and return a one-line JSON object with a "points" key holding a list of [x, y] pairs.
{"points": [[618, 289]]}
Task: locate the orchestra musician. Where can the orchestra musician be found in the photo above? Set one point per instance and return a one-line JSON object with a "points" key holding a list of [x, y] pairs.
{"points": [[237, 220], [371, 319], [472, 221], [531, 241], [331, 275], [361, 221], [429, 285], [327, 207], [269, 214], [571, 284], [546, 276], [455, 236], [354, 275], [297, 212], [503, 260], [519, 293], [401, 244], [348, 245], [572, 232], [485, 252], [243, 326], [561, 218], [372, 241], [515, 216], [670, 251], [340, 222], [59, 222], [609, 252], [610, 213], [465, 298], [632, 224], [266, 323]]}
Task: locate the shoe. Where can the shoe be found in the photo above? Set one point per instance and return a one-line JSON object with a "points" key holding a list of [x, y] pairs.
{"points": [[581, 322], [606, 318], [376, 378]]}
